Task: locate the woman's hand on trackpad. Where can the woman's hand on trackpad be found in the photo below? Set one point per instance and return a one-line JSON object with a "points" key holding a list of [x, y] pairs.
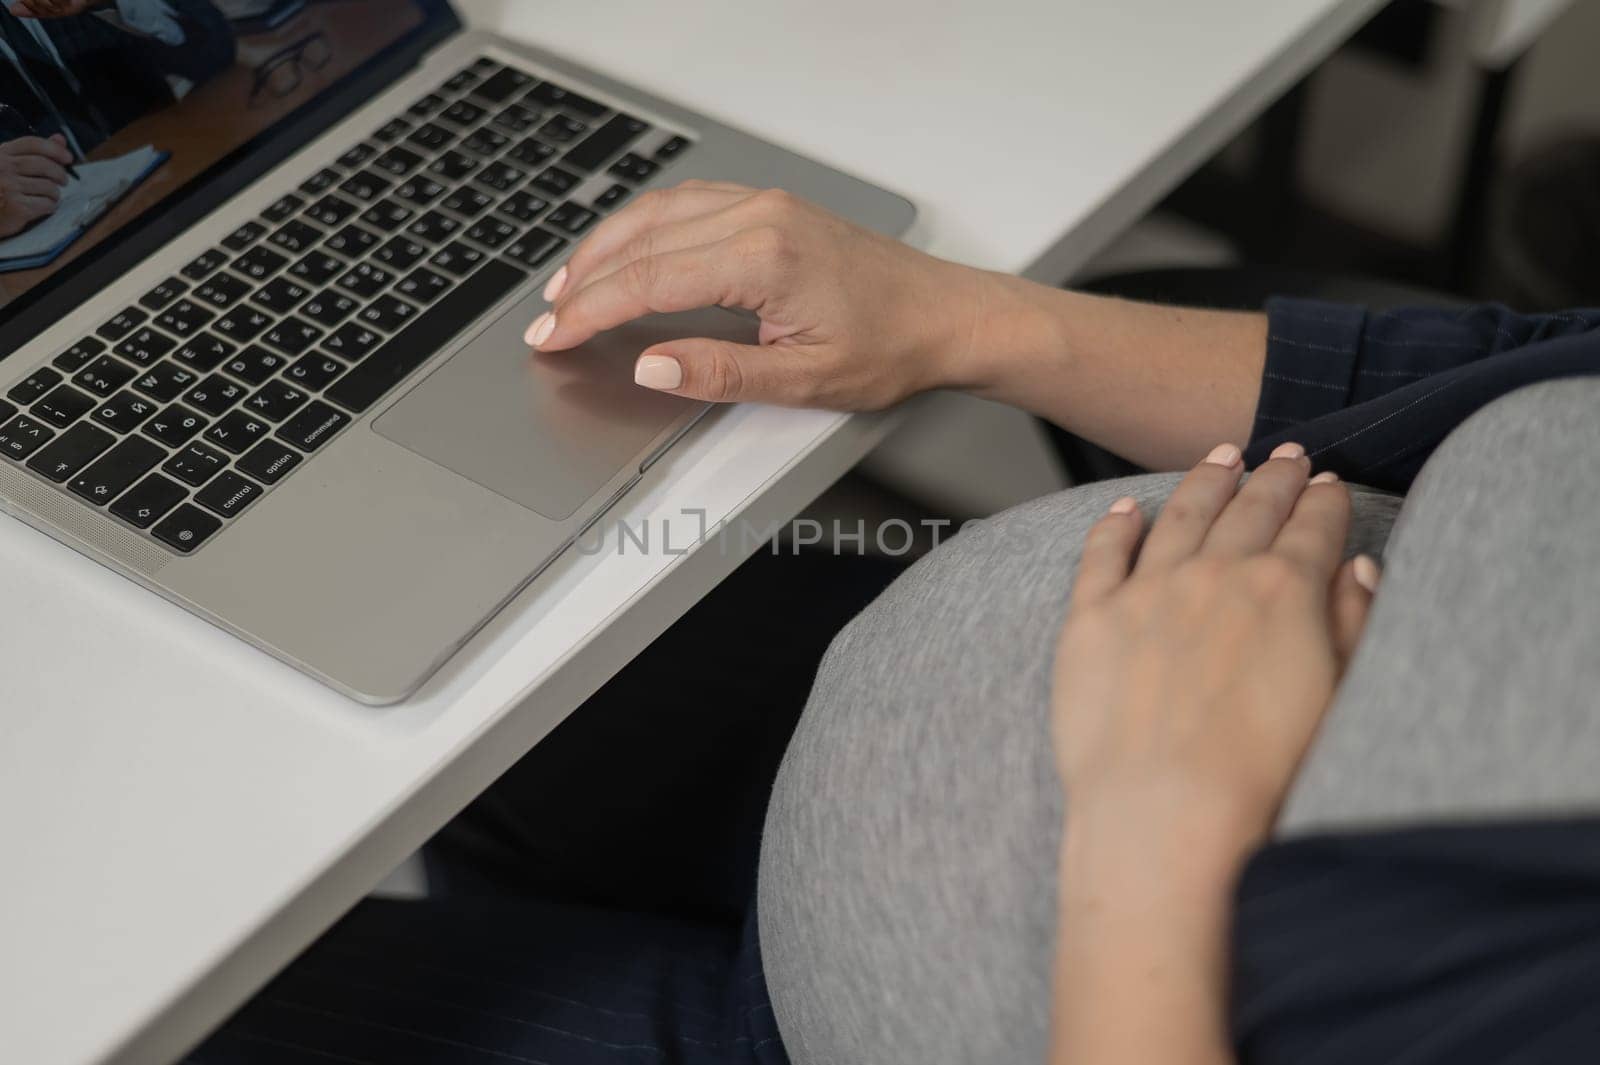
{"points": [[850, 319]]}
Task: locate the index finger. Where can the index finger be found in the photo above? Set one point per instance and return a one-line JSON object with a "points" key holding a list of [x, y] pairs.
{"points": [[648, 211], [31, 145], [1314, 536]]}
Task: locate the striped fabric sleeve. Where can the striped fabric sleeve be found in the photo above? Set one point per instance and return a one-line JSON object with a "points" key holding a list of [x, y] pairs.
{"points": [[1312, 351]]}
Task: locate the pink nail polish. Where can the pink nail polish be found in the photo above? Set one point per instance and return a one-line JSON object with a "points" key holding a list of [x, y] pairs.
{"points": [[1326, 477], [1125, 505], [660, 372], [1225, 455], [540, 330], [1365, 572], [1288, 451], [553, 287]]}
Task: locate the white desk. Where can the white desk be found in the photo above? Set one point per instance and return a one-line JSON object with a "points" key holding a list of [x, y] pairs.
{"points": [[180, 815]]}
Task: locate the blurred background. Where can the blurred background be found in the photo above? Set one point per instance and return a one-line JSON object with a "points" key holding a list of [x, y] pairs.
{"points": [[1451, 150]]}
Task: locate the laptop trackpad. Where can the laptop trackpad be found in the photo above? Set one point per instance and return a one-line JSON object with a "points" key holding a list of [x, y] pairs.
{"points": [[547, 431]]}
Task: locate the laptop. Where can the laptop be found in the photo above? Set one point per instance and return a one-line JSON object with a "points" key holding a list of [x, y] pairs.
{"points": [[277, 374]]}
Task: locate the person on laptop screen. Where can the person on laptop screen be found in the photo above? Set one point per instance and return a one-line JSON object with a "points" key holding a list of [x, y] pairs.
{"points": [[86, 68]]}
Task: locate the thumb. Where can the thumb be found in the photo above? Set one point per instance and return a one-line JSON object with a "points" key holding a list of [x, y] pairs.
{"points": [[1353, 587], [719, 371]]}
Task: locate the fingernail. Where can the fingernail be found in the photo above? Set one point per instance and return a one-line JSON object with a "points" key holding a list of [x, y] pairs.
{"points": [[553, 287], [660, 372], [1225, 455], [1326, 477], [1288, 451], [1365, 572], [1125, 505], [540, 330]]}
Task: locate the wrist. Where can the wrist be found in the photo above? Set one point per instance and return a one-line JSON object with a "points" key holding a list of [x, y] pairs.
{"points": [[1008, 333]]}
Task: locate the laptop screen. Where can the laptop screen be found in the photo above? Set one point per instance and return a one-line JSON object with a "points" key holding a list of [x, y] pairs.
{"points": [[123, 121]]}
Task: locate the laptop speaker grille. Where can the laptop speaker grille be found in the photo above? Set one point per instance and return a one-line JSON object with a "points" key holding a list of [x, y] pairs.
{"points": [[75, 520]]}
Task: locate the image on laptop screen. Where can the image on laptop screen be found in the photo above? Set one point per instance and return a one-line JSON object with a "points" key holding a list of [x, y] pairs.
{"points": [[140, 98]]}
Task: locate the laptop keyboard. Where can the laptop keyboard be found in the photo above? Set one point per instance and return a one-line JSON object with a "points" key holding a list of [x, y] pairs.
{"points": [[181, 411]]}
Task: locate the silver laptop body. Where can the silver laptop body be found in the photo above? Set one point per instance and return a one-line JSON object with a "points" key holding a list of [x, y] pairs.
{"points": [[408, 521]]}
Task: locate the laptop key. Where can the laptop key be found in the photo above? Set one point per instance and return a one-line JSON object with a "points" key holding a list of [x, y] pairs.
{"points": [[186, 317], [502, 177], [553, 95], [563, 129], [314, 372], [237, 432], [242, 323], [275, 401], [503, 85], [22, 436], [255, 364], [366, 280], [493, 233], [523, 206], [518, 118], [531, 152], [485, 141], [399, 254], [366, 186], [63, 406], [357, 156], [146, 501], [352, 341], [555, 181], [313, 426], [111, 474], [228, 494], [468, 202], [215, 395], [352, 240], [386, 367], [457, 258], [329, 308], [281, 295], [124, 412], [163, 294], [145, 345], [433, 227], [295, 236], [175, 426], [186, 528], [426, 106], [7, 410], [34, 385], [205, 264], [671, 148], [165, 381], [605, 142], [222, 291], [633, 167], [241, 238], [70, 452], [420, 190], [196, 464], [283, 207], [123, 324], [205, 352], [388, 215], [571, 218], [76, 357], [104, 375], [331, 211], [392, 130], [423, 285], [317, 269], [398, 161], [453, 166], [388, 313], [463, 113], [292, 336], [611, 197], [431, 137], [259, 263], [320, 182], [535, 248], [461, 81]]}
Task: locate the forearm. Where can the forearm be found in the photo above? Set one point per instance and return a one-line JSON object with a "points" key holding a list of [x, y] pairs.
{"points": [[1158, 385], [1142, 945]]}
